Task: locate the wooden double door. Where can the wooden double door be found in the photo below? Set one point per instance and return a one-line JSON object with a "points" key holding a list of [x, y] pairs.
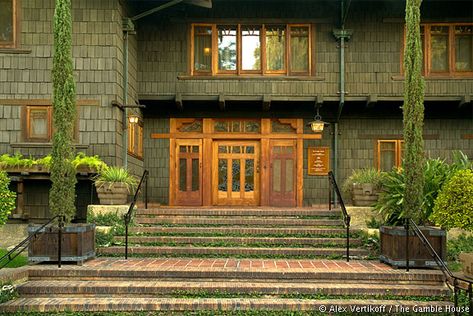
{"points": [[235, 168]]}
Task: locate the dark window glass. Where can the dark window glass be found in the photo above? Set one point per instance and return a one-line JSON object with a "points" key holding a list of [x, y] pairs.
{"points": [[203, 48], [6, 21], [464, 48], [300, 49], [439, 47], [275, 48]]}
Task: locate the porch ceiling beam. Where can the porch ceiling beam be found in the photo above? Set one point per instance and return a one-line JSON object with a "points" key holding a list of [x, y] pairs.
{"points": [[221, 102], [371, 100], [465, 100], [178, 100], [266, 102]]}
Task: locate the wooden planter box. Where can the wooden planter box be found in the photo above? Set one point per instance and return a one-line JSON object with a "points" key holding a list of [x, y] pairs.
{"points": [[364, 194], [467, 262], [113, 193], [78, 243], [393, 246]]}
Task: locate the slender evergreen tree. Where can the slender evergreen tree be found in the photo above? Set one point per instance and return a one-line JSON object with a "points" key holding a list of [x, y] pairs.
{"points": [[63, 175], [413, 112]]}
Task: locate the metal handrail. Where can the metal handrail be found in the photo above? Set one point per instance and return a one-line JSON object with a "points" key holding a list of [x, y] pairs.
{"points": [[129, 214], [346, 217], [26, 242], [440, 263]]}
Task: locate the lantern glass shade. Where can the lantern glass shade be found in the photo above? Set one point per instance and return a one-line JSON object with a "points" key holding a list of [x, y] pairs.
{"points": [[133, 119], [317, 126]]}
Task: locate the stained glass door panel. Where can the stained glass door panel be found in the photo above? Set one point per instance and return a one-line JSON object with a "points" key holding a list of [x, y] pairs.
{"points": [[189, 172], [283, 173], [236, 173]]}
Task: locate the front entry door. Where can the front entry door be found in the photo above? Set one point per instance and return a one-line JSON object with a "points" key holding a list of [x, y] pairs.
{"points": [[189, 171], [236, 173], [283, 173]]}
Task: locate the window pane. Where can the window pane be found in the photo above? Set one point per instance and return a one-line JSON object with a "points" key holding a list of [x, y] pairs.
{"points": [[276, 172], [463, 48], [251, 47], [195, 174], [387, 156], [203, 48], [236, 175], [289, 175], [39, 123], [275, 48], [183, 174], [227, 48], [249, 175], [300, 49], [439, 39], [6, 20], [222, 175], [140, 141]]}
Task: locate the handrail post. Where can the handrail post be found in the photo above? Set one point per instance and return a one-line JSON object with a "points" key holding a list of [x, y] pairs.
{"points": [[329, 193], [146, 190], [59, 241], [406, 226], [348, 238], [126, 235]]}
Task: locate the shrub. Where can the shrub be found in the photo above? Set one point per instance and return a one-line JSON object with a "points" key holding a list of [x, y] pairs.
{"points": [[16, 161], [7, 198], [116, 175], [368, 175], [454, 204], [391, 201], [93, 162]]}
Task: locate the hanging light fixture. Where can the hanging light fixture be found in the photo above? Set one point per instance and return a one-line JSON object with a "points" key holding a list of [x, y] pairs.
{"points": [[317, 125]]}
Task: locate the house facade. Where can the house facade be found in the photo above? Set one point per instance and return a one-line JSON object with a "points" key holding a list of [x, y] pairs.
{"points": [[218, 100]]}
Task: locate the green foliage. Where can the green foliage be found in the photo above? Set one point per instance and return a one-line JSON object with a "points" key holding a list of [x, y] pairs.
{"points": [[392, 199], [368, 175], [16, 161], [8, 292], [93, 162], [413, 114], [7, 198], [462, 243], [63, 174], [19, 261], [116, 175], [45, 161], [454, 204], [373, 223]]}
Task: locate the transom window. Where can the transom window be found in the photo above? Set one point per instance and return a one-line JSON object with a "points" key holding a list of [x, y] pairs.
{"points": [[8, 23], [251, 49], [236, 126], [447, 49]]}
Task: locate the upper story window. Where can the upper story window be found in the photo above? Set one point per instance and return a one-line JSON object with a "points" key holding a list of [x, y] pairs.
{"points": [[8, 23], [241, 49], [447, 49], [38, 124]]}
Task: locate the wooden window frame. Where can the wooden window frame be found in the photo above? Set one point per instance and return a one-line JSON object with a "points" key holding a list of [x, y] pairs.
{"points": [[27, 127], [135, 139], [16, 24], [397, 152], [427, 58], [215, 71]]}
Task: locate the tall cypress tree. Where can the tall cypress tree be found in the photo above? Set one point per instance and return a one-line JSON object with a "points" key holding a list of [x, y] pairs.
{"points": [[63, 175], [413, 112]]}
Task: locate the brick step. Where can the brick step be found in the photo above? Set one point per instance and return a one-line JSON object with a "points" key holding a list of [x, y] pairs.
{"points": [[243, 221], [240, 251], [152, 288], [237, 240], [262, 231], [229, 269], [238, 212], [87, 304]]}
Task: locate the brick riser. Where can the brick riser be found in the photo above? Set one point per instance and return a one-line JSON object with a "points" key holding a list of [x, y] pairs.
{"points": [[239, 230], [153, 288], [164, 250], [244, 221], [238, 240], [177, 304], [237, 212]]}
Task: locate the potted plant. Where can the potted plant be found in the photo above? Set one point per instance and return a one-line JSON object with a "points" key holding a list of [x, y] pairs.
{"points": [[78, 241], [364, 186], [454, 209], [436, 173], [113, 185]]}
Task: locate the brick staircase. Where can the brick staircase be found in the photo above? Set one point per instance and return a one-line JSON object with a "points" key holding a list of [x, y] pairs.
{"points": [[226, 284], [250, 233]]}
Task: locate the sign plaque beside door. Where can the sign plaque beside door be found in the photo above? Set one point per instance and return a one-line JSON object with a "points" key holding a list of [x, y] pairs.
{"points": [[319, 161]]}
